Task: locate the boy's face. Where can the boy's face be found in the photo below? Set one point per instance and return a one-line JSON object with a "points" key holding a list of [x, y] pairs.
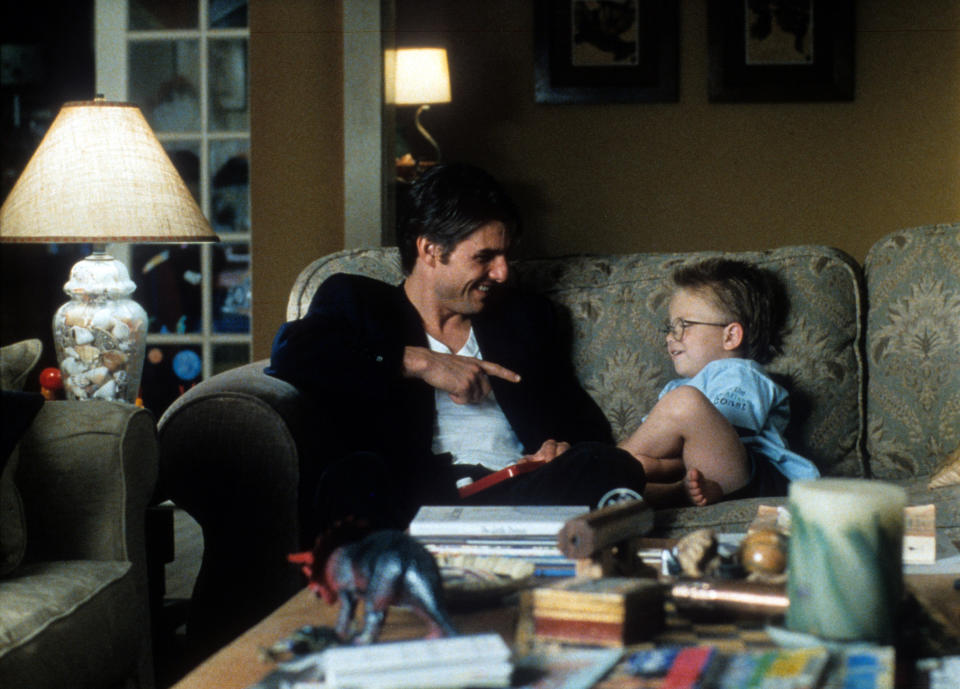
{"points": [[700, 343]]}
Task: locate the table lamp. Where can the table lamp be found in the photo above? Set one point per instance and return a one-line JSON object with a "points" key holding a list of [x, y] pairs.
{"points": [[418, 76], [100, 175]]}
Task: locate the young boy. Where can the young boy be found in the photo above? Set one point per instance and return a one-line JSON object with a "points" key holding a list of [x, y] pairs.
{"points": [[716, 432]]}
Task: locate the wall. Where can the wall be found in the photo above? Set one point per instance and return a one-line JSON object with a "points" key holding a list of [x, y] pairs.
{"points": [[696, 175], [616, 178], [296, 148]]}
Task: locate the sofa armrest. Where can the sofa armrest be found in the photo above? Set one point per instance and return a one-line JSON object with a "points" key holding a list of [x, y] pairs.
{"points": [[86, 474], [230, 455]]}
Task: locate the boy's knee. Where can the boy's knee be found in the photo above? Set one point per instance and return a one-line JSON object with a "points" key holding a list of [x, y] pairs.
{"points": [[685, 401]]}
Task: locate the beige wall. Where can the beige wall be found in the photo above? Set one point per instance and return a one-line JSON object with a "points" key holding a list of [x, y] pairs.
{"points": [[619, 178], [296, 148]]}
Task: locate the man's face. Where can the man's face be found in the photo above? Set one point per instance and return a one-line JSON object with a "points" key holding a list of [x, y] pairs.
{"points": [[464, 278]]}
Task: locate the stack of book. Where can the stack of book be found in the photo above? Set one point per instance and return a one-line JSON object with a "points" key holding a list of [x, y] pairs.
{"points": [[475, 660], [614, 611], [524, 532]]}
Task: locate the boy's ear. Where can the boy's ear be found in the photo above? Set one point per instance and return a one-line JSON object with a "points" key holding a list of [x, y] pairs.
{"points": [[732, 336]]}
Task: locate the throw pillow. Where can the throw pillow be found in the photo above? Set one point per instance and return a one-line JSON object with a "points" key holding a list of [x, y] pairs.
{"points": [[948, 473], [17, 411], [16, 362]]}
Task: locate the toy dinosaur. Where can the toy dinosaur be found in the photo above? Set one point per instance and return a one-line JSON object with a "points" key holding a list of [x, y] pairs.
{"points": [[384, 568]]}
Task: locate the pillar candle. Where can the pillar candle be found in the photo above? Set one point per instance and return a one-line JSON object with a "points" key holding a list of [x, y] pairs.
{"points": [[845, 567]]}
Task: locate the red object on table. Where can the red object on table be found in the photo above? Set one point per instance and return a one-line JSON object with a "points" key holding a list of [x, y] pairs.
{"points": [[50, 382], [498, 476]]}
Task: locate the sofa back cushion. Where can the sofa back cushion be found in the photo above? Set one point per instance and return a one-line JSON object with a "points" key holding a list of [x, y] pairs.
{"points": [[913, 350], [616, 304]]}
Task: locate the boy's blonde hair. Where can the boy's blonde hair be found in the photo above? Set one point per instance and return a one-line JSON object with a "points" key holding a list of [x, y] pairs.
{"points": [[749, 295]]}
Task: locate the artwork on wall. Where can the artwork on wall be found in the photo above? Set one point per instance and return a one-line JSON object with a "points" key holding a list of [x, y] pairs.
{"points": [[780, 50], [609, 51]]}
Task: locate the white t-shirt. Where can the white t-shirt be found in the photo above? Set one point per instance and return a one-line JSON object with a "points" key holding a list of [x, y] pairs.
{"points": [[473, 433]]}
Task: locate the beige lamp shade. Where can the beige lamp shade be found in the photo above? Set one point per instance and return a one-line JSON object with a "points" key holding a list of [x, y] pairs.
{"points": [[100, 175], [417, 76]]}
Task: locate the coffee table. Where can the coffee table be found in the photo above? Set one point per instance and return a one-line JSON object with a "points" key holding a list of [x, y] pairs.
{"points": [[238, 665]]}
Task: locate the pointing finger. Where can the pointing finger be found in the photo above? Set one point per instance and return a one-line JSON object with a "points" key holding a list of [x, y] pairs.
{"points": [[499, 371]]}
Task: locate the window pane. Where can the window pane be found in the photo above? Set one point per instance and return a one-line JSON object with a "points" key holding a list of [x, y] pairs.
{"points": [[169, 14], [230, 186], [231, 288], [163, 80], [230, 356], [228, 14], [168, 286], [228, 85], [168, 372], [185, 157]]}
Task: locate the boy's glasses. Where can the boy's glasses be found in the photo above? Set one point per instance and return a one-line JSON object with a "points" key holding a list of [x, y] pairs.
{"points": [[678, 327]]}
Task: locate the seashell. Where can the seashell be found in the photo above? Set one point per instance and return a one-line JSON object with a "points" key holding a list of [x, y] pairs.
{"points": [[79, 382], [113, 359], [102, 319], [87, 353], [98, 375], [71, 367], [104, 340], [81, 336], [121, 330], [695, 550], [75, 317], [108, 391], [77, 392]]}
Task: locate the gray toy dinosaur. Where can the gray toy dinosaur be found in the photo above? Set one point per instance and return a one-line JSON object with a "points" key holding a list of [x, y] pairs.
{"points": [[384, 568]]}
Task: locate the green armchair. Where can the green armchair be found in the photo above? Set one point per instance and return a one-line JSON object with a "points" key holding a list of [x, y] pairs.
{"points": [[74, 610]]}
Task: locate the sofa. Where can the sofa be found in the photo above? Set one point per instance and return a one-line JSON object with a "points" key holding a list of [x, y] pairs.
{"points": [[871, 358], [73, 581]]}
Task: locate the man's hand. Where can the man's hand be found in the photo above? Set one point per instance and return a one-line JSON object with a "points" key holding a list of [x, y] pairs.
{"points": [[548, 451], [465, 379]]}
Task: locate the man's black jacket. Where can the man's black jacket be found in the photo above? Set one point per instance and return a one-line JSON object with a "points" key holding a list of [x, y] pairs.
{"points": [[346, 353]]}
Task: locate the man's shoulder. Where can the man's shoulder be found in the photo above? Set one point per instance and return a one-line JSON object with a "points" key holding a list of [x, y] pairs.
{"points": [[350, 287], [352, 281]]}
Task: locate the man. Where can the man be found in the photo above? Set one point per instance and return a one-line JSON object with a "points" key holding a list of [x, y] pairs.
{"points": [[451, 374]]}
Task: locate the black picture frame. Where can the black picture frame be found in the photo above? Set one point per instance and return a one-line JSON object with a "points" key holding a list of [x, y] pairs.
{"points": [[616, 51], [754, 59]]}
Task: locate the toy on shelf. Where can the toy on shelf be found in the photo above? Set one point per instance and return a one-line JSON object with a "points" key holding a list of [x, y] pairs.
{"points": [[383, 568]]}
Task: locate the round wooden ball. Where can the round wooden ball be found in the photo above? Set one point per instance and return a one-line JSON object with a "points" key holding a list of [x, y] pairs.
{"points": [[764, 552]]}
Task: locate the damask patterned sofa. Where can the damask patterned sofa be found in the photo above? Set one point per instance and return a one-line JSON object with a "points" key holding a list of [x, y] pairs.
{"points": [[872, 361]]}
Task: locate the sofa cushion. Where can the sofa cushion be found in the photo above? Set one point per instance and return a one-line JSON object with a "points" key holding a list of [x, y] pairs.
{"points": [[16, 362], [17, 410], [68, 623], [913, 350], [616, 304]]}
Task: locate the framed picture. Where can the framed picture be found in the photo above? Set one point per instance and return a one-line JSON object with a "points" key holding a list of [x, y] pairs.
{"points": [[780, 50], [606, 51]]}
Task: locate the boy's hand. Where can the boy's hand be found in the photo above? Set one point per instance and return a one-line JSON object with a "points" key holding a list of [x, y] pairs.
{"points": [[465, 379]]}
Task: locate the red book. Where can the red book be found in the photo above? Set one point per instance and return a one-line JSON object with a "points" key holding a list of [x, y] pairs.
{"points": [[498, 476], [688, 667]]}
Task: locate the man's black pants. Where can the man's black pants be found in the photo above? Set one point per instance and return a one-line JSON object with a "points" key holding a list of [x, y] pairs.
{"points": [[366, 486]]}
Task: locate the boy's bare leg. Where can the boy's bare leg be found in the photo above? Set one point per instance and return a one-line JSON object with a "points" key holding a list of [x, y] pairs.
{"points": [[682, 433]]}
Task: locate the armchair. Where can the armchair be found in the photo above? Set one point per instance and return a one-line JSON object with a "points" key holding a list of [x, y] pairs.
{"points": [[74, 612]]}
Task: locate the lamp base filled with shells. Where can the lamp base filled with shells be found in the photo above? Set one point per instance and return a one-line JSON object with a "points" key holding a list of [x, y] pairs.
{"points": [[100, 334]]}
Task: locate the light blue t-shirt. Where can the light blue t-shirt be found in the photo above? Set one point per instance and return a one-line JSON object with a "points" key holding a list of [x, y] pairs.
{"points": [[755, 405]]}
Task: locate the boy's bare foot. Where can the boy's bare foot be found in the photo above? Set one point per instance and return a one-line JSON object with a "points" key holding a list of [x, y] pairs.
{"points": [[701, 490]]}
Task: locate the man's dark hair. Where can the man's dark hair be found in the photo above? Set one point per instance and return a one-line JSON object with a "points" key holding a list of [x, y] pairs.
{"points": [[749, 295], [447, 204]]}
